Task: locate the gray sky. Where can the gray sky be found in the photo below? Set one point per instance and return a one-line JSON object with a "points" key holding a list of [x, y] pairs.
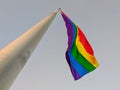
{"points": [[47, 68]]}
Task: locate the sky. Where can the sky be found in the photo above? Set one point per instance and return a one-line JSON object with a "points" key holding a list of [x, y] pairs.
{"points": [[47, 68]]}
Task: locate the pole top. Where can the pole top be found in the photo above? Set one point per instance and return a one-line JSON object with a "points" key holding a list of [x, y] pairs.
{"points": [[58, 10]]}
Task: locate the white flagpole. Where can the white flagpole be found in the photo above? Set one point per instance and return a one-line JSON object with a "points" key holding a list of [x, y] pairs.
{"points": [[14, 56]]}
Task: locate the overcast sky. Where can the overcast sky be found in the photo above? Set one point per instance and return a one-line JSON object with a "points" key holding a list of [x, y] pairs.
{"points": [[47, 68]]}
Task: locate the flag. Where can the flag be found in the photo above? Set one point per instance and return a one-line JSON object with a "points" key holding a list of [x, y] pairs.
{"points": [[79, 54]]}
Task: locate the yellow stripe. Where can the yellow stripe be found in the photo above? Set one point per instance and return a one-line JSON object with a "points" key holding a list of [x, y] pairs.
{"points": [[85, 54]]}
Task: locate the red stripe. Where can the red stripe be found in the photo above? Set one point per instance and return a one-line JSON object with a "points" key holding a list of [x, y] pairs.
{"points": [[85, 42]]}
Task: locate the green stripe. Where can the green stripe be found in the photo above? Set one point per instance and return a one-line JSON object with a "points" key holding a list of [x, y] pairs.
{"points": [[81, 60]]}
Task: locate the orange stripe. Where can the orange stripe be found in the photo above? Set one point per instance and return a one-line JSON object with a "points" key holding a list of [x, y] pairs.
{"points": [[85, 54]]}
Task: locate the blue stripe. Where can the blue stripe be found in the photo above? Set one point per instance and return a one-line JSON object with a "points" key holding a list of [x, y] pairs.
{"points": [[78, 67], [74, 32]]}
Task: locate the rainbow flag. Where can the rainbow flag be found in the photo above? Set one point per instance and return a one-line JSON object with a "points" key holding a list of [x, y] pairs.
{"points": [[79, 54]]}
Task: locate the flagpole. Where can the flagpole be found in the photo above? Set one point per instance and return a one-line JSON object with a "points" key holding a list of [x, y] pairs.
{"points": [[14, 56]]}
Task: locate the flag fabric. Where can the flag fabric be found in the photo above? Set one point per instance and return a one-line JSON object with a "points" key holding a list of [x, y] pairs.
{"points": [[79, 54]]}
